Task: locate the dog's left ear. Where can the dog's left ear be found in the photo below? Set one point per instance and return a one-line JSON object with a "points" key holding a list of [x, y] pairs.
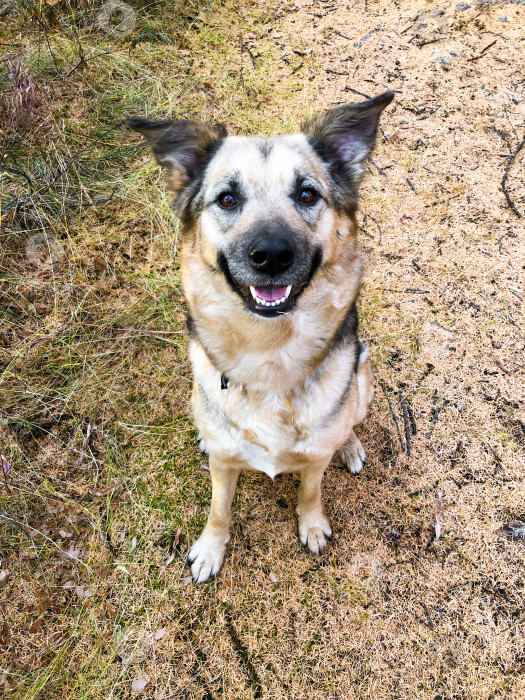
{"points": [[184, 148], [344, 137]]}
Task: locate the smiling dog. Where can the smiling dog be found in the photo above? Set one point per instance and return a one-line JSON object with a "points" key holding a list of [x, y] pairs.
{"points": [[271, 272]]}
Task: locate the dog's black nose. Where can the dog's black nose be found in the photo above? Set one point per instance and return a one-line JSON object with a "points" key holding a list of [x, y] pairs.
{"points": [[271, 255]]}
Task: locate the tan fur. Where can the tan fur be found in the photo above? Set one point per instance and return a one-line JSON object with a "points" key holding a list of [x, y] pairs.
{"points": [[272, 417], [298, 380]]}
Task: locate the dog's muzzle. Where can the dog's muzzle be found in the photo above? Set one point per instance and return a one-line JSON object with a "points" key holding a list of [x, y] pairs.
{"points": [[269, 267]]}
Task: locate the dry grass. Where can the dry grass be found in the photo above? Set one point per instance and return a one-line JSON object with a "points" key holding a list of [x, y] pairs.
{"points": [[388, 611]]}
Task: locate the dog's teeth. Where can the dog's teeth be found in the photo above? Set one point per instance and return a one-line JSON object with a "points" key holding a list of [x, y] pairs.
{"points": [[254, 293], [288, 290]]}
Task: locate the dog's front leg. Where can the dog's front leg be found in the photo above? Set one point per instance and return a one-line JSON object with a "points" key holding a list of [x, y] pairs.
{"points": [[314, 528], [207, 554]]}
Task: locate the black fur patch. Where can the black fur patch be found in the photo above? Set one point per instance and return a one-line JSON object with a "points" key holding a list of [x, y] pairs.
{"points": [[347, 331], [187, 148], [190, 326]]}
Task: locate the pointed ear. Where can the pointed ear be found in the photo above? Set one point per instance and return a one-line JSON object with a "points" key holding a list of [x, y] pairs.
{"points": [[184, 148], [344, 137]]}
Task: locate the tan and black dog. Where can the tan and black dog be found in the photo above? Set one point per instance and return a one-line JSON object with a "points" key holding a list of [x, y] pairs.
{"points": [[271, 272]]}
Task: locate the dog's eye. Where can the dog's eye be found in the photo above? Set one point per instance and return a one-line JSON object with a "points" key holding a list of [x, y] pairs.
{"points": [[227, 200], [307, 196]]}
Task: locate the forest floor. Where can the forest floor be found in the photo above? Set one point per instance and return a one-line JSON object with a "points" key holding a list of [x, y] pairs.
{"points": [[420, 593]]}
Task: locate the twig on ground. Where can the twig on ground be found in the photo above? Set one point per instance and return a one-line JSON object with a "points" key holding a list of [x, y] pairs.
{"points": [[381, 384], [411, 418], [504, 180], [357, 92], [430, 41], [378, 227], [411, 185], [434, 417], [407, 426], [475, 58], [379, 170]]}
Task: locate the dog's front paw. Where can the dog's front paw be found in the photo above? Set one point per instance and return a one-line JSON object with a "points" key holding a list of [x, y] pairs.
{"points": [[206, 556], [353, 456], [202, 444], [314, 531]]}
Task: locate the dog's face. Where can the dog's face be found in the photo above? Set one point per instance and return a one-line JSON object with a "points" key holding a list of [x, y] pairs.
{"points": [[267, 213]]}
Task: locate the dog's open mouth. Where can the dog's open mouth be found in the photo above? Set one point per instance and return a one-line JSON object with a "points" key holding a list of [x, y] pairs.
{"points": [[270, 300], [271, 296]]}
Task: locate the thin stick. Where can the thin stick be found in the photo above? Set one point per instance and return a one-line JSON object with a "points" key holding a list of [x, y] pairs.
{"points": [[504, 180], [407, 425], [392, 413]]}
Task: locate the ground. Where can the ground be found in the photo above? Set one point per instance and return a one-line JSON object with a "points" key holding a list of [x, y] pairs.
{"points": [[420, 592]]}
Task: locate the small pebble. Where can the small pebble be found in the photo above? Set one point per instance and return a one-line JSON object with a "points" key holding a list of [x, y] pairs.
{"points": [[462, 6], [502, 19]]}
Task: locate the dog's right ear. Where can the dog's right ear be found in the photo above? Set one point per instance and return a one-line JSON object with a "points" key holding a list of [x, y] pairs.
{"points": [[343, 138], [184, 148]]}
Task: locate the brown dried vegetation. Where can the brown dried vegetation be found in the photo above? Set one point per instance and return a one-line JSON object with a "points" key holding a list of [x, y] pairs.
{"points": [[106, 485]]}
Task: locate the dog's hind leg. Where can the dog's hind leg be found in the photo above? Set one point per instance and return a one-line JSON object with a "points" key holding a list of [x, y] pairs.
{"points": [[352, 453], [207, 554], [314, 528]]}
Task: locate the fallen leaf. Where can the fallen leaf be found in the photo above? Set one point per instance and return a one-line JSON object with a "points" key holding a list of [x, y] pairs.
{"points": [[6, 469], [206, 467], [65, 534], [105, 490], [187, 580], [69, 584], [5, 464], [3, 576], [36, 626], [502, 368], [139, 684], [102, 571], [79, 590], [84, 444], [72, 552], [273, 577], [514, 530], [159, 634], [133, 544], [439, 513], [99, 264]]}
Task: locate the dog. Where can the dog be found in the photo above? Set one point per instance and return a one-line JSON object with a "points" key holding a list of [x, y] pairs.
{"points": [[271, 272]]}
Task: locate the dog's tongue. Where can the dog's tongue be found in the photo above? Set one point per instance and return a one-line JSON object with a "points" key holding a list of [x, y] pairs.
{"points": [[271, 293]]}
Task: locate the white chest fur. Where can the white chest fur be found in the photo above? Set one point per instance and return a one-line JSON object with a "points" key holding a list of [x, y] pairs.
{"points": [[276, 431]]}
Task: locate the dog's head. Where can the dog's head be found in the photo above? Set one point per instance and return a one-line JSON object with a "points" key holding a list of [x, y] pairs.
{"points": [[267, 213]]}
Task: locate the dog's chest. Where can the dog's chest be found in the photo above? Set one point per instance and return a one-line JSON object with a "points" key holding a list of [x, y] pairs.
{"points": [[271, 431]]}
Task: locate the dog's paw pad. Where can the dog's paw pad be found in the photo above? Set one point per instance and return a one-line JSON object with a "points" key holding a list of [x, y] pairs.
{"points": [[353, 456], [314, 533], [205, 558]]}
